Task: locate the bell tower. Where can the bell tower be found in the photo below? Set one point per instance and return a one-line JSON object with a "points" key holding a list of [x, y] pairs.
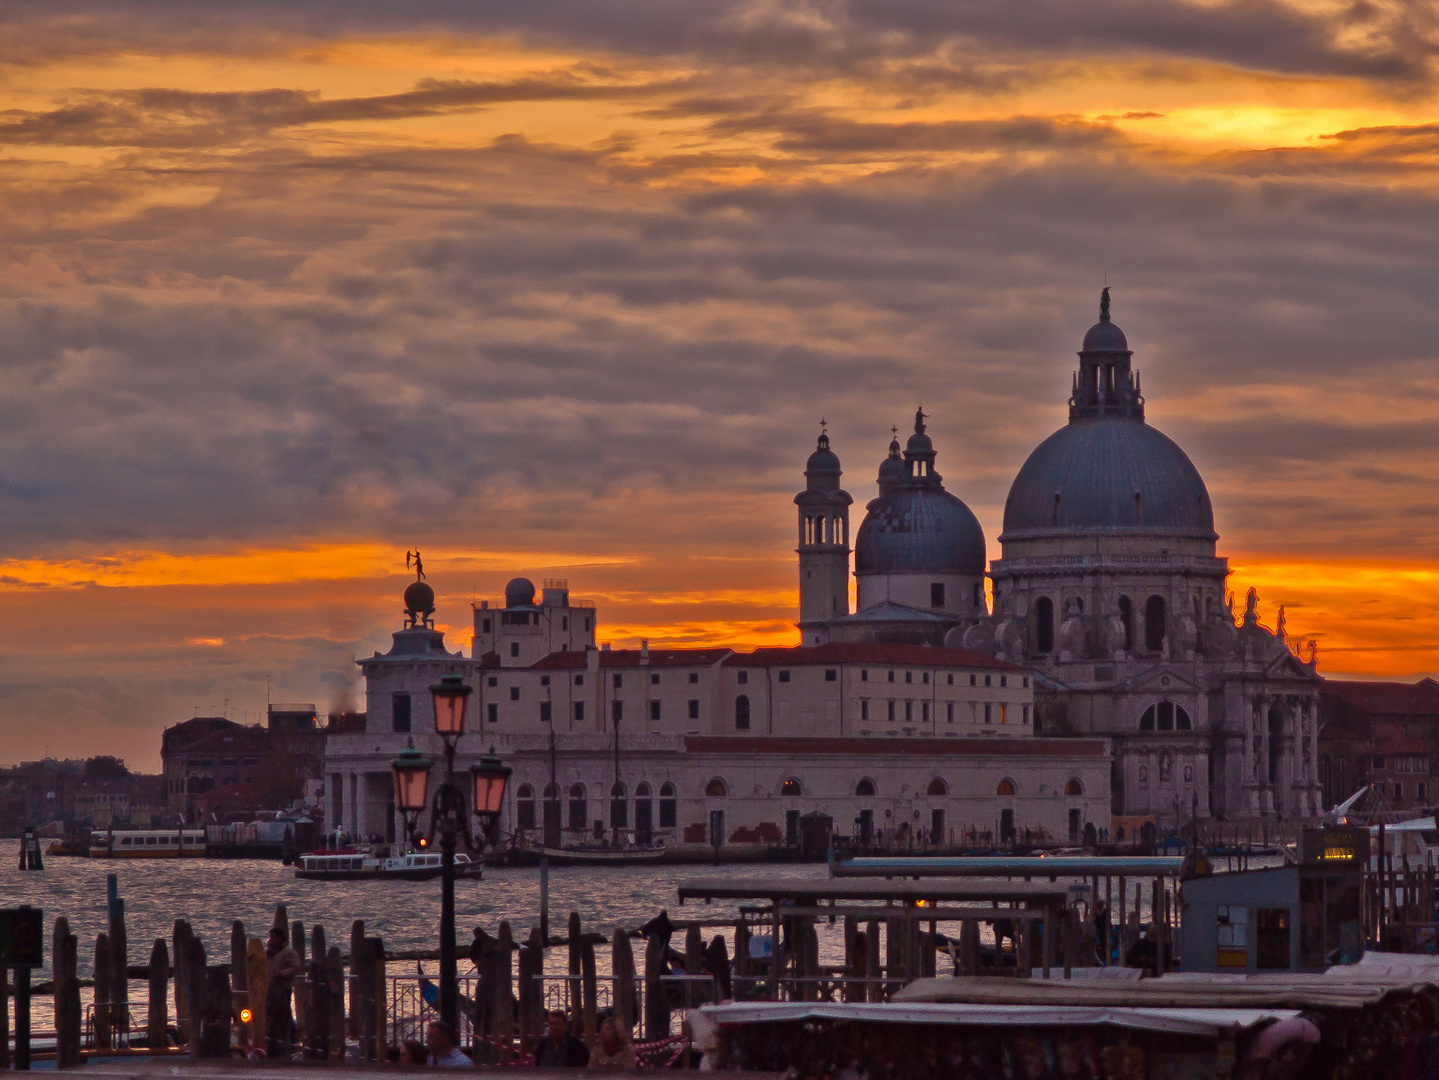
{"points": [[823, 543]]}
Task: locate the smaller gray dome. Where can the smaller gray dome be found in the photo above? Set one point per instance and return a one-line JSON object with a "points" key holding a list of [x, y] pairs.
{"points": [[520, 592], [892, 470], [419, 597], [1104, 336], [822, 470], [919, 529]]}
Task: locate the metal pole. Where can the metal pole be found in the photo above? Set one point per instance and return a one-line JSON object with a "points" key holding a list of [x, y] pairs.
{"points": [[22, 1018], [449, 976]]}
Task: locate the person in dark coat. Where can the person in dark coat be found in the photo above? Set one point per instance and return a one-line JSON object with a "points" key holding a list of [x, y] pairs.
{"points": [[560, 1049]]}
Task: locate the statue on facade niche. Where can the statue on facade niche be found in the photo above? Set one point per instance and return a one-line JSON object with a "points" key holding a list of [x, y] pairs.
{"points": [[1114, 634], [1279, 628], [1071, 631], [1189, 642], [1166, 767], [1313, 653]]}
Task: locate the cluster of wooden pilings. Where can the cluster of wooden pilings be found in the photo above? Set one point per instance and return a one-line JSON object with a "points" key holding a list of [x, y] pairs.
{"points": [[1400, 903]]}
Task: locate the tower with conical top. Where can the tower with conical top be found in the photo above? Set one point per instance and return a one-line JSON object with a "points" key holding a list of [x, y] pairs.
{"points": [[823, 542]]}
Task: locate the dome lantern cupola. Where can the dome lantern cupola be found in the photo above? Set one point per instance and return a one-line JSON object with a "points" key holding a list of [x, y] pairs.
{"points": [[892, 470], [919, 455], [1104, 384]]}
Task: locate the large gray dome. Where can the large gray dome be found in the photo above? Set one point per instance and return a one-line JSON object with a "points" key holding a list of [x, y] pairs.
{"points": [[1108, 473], [919, 529]]}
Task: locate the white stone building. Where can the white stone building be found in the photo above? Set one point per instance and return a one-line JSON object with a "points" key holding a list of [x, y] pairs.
{"points": [[694, 745]]}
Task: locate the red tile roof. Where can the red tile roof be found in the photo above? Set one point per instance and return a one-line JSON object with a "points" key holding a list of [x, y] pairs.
{"points": [[630, 658], [838, 652], [1386, 698]]}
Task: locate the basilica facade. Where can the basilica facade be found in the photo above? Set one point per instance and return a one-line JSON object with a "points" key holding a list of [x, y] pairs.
{"points": [[1108, 585]]}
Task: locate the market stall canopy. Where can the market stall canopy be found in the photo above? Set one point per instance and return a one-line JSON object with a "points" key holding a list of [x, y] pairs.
{"points": [[1347, 986], [1193, 1020]]}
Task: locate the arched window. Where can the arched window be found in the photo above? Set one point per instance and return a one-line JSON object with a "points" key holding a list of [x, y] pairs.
{"points": [[1044, 625], [741, 713], [619, 808], [642, 791], [1166, 716], [937, 786], [525, 806], [667, 806], [1154, 629], [1074, 787], [579, 813], [716, 789], [1276, 743], [1006, 787], [1126, 616], [791, 787], [865, 788]]}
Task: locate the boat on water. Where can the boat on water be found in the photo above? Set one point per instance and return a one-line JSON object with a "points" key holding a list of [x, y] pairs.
{"points": [[366, 866], [147, 844]]}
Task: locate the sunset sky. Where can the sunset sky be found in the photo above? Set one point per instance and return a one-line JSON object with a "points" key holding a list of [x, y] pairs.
{"points": [[563, 290]]}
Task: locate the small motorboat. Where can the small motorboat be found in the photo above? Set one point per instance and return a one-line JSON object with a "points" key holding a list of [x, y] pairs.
{"points": [[364, 866]]}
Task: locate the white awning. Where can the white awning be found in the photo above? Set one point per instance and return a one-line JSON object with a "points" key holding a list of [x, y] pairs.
{"points": [[1203, 1022]]}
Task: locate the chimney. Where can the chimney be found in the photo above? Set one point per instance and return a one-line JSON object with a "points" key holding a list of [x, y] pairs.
{"points": [[644, 650]]}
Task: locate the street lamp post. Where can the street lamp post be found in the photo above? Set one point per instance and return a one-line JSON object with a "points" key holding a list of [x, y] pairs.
{"points": [[448, 816]]}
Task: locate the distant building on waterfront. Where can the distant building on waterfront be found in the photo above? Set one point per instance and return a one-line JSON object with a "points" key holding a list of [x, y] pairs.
{"points": [[213, 766], [1384, 734]]}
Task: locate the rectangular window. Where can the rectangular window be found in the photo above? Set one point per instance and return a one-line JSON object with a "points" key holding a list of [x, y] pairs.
{"points": [[654, 680], [831, 675], [493, 713], [949, 712], [494, 681], [579, 680], [654, 710], [864, 708], [1026, 714], [400, 712], [864, 675], [1420, 793], [587, 622], [924, 709], [971, 680], [742, 677], [1026, 682], [949, 679], [1378, 763], [988, 714], [619, 681], [891, 710], [908, 711], [544, 680], [784, 676], [514, 648], [485, 626], [544, 712], [987, 681], [514, 693], [694, 676], [891, 676], [1003, 713], [694, 709], [936, 594], [1004, 680], [667, 813], [579, 712], [617, 711], [924, 678], [564, 622]]}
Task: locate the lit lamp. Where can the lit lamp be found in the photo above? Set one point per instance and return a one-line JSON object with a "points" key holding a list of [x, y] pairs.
{"points": [[490, 777], [412, 781], [451, 696]]}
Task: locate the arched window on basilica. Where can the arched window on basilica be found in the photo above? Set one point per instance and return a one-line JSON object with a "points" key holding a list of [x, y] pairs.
{"points": [[865, 788], [716, 789], [1154, 628], [1074, 787], [937, 786], [1006, 787], [1044, 625], [1166, 716], [791, 787]]}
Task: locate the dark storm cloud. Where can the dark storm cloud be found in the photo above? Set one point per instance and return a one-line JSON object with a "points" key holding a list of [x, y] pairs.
{"points": [[1391, 41], [348, 344]]}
